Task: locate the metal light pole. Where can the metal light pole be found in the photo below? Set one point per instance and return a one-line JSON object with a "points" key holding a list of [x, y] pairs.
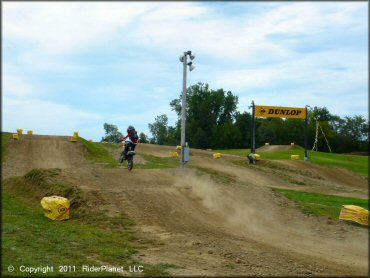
{"points": [[183, 59], [183, 111], [306, 155]]}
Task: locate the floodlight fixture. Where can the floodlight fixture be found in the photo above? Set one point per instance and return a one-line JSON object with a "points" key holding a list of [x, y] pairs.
{"points": [[191, 66], [192, 56], [181, 58]]}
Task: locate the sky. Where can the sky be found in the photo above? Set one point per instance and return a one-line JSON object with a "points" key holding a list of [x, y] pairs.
{"points": [[74, 66]]}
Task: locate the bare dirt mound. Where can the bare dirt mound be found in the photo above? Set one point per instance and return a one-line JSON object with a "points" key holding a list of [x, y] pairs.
{"points": [[274, 148], [215, 218], [157, 150], [334, 174], [40, 151], [210, 228], [165, 151]]}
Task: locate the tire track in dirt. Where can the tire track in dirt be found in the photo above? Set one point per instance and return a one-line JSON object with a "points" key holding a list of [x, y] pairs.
{"points": [[207, 228]]}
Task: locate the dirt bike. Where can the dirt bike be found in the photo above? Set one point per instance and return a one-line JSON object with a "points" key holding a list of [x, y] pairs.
{"points": [[129, 156]]}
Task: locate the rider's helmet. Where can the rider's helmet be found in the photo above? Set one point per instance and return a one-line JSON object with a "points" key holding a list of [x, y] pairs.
{"points": [[130, 129]]}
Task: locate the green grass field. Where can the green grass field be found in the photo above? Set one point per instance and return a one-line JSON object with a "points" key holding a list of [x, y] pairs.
{"points": [[356, 163], [90, 237], [97, 152], [320, 204], [155, 162]]}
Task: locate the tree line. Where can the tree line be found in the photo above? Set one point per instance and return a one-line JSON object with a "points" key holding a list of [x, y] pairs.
{"points": [[213, 122]]}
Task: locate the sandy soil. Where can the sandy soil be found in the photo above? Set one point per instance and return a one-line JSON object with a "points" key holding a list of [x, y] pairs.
{"points": [[210, 227]]}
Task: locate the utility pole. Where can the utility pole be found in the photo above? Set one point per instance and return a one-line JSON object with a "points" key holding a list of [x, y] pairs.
{"points": [[306, 156], [185, 63], [183, 111], [253, 128]]}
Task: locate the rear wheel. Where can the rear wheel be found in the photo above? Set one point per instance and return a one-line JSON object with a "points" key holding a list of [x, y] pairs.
{"points": [[130, 162]]}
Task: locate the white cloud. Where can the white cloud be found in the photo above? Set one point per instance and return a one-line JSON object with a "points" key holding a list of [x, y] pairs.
{"points": [[242, 37], [16, 86], [44, 117], [59, 27], [242, 53], [56, 27], [38, 61]]}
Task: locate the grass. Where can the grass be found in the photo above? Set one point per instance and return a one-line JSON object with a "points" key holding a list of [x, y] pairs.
{"points": [[111, 146], [29, 238], [155, 162], [356, 163], [321, 204], [90, 238], [5, 138], [97, 152], [267, 155]]}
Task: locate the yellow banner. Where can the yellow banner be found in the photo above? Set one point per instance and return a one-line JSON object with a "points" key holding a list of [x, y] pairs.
{"points": [[280, 112]]}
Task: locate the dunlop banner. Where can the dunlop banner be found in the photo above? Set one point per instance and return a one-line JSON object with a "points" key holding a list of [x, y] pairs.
{"points": [[280, 112]]}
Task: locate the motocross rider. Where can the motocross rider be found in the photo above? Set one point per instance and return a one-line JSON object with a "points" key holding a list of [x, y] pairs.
{"points": [[132, 134]]}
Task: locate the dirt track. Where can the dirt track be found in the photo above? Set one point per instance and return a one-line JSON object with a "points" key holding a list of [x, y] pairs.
{"points": [[211, 227], [274, 148]]}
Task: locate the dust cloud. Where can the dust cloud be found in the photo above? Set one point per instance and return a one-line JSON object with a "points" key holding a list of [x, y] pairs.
{"points": [[256, 213]]}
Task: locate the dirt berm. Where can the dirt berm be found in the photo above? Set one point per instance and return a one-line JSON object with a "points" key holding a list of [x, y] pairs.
{"points": [[215, 217]]}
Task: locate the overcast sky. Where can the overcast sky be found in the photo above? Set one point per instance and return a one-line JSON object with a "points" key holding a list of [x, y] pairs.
{"points": [[74, 66]]}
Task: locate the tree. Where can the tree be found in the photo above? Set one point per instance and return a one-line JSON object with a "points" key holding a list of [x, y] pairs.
{"points": [[159, 129], [243, 124], [207, 113], [320, 113], [173, 136], [112, 135], [326, 120], [266, 133], [354, 133], [143, 138], [212, 121]]}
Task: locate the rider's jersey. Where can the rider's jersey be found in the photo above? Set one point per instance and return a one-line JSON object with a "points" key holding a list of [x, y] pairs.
{"points": [[133, 137]]}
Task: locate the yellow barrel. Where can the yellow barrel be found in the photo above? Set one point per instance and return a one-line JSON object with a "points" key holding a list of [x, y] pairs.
{"points": [[295, 157], [15, 136], [178, 147], [56, 207], [257, 156], [292, 144], [217, 155], [267, 144], [355, 213], [74, 138], [20, 131], [29, 132], [174, 154], [75, 133]]}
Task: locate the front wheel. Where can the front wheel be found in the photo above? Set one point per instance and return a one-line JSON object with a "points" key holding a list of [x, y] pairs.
{"points": [[121, 157], [130, 162]]}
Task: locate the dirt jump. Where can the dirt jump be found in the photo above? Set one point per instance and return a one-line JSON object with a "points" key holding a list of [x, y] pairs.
{"points": [[274, 148], [215, 217]]}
